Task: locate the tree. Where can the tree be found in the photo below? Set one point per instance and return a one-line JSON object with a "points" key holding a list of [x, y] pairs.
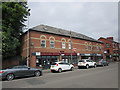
{"points": [[14, 15]]}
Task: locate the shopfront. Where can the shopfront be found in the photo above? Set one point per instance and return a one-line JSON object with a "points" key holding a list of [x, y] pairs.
{"points": [[46, 61], [87, 56]]}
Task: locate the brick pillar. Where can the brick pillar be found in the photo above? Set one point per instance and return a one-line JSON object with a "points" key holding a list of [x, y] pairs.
{"points": [[33, 61], [60, 58]]}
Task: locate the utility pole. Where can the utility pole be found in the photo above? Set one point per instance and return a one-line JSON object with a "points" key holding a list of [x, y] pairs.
{"points": [[28, 43], [71, 46]]}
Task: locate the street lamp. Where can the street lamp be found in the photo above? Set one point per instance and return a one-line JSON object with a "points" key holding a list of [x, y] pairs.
{"points": [[71, 46], [28, 41]]}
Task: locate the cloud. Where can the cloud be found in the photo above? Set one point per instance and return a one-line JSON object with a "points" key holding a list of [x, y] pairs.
{"points": [[94, 19]]}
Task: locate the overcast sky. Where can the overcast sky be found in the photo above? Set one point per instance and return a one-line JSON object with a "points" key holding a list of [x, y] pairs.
{"points": [[94, 19]]}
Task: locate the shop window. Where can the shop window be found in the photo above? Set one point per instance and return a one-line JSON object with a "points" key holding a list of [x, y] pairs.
{"points": [[43, 43], [63, 45], [52, 44]]}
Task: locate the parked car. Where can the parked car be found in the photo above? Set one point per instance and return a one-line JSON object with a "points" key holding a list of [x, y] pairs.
{"points": [[86, 63], [61, 66], [19, 71], [102, 63]]}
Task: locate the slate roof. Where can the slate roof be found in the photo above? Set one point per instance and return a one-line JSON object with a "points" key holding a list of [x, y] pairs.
{"points": [[58, 31]]}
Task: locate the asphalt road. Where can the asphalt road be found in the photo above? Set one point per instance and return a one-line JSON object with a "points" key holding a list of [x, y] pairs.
{"points": [[100, 77]]}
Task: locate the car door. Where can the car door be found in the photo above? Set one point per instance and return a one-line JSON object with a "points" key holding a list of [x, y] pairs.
{"points": [[67, 66], [28, 71], [18, 71], [62, 66], [88, 62], [92, 63], [23, 71]]}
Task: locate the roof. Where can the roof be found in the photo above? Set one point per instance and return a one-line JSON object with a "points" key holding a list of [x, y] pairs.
{"points": [[58, 31]]}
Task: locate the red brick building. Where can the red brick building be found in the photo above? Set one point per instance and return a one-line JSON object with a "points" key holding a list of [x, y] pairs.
{"points": [[45, 44], [111, 49]]}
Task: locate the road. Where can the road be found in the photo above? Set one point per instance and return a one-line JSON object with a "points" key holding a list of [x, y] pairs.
{"points": [[100, 77]]}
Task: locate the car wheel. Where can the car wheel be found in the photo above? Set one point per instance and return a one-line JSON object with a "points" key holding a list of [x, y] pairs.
{"points": [[71, 69], [95, 66], [37, 73], [59, 70], [10, 77], [87, 66]]}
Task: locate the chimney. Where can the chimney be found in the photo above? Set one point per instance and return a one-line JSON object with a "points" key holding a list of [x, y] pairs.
{"points": [[110, 38]]}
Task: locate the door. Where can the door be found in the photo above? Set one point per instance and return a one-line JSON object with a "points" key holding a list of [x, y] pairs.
{"points": [[92, 63], [67, 66]]}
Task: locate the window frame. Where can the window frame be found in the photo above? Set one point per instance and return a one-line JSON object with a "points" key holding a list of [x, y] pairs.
{"points": [[63, 45], [52, 44], [43, 43]]}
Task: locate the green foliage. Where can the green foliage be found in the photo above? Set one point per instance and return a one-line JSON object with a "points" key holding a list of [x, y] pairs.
{"points": [[14, 15]]}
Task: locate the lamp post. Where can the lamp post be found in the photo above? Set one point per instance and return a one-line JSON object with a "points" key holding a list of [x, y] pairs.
{"points": [[71, 47], [28, 42]]}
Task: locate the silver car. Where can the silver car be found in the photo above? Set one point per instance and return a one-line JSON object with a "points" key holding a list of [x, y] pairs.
{"points": [[19, 71], [102, 63]]}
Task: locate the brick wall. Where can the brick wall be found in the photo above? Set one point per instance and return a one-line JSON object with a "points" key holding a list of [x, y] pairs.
{"points": [[79, 44]]}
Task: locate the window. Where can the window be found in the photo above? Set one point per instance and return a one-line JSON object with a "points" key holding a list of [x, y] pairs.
{"points": [[63, 45], [43, 43], [91, 47], [107, 45], [69, 45], [86, 46], [100, 48], [97, 47], [52, 44]]}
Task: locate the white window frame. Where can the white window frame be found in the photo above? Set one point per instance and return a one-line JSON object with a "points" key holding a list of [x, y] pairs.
{"points": [[43, 43], [63, 45], [69, 45], [52, 43]]}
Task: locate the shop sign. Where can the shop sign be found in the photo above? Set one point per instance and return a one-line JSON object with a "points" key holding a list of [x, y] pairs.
{"points": [[87, 54], [38, 53], [99, 55]]}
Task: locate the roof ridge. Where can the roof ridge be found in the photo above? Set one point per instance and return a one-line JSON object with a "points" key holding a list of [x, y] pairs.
{"points": [[60, 31]]}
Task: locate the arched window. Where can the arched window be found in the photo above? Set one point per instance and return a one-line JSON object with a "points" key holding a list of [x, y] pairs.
{"points": [[52, 42], [97, 47], [63, 43], [91, 47], [69, 44], [43, 41], [86, 46]]}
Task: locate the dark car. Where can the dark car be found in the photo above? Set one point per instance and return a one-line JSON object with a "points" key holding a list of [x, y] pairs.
{"points": [[19, 71], [102, 63]]}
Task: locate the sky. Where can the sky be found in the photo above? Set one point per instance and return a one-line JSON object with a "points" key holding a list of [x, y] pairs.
{"points": [[94, 19]]}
